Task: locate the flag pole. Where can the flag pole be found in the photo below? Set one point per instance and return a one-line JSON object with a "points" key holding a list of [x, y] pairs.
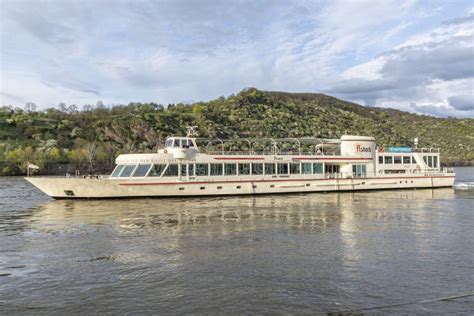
{"points": [[27, 169]]}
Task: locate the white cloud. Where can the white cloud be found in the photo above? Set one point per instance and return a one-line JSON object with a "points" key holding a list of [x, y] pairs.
{"points": [[430, 68], [118, 52]]}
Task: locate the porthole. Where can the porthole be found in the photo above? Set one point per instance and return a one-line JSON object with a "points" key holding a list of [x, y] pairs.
{"points": [[181, 189], [238, 187], [254, 186], [307, 184], [272, 185], [202, 188], [411, 181]]}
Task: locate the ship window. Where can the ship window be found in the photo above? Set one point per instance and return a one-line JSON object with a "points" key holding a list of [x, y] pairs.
{"points": [[269, 168], [171, 171], [202, 169], [388, 159], [317, 168], [397, 159], [244, 168], [238, 187], [219, 188], [380, 159], [230, 169], [406, 160], [359, 170], [169, 143], [294, 168], [156, 170], [141, 170], [117, 170], [189, 171], [127, 171], [430, 161], [435, 161], [425, 159], [306, 168], [216, 169], [176, 143], [257, 168], [282, 168]]}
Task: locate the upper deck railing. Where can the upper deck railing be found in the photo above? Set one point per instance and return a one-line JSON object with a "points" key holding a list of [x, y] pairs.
{"points": [[409, 150], [270, 153], [270, 146], [426, 150]]}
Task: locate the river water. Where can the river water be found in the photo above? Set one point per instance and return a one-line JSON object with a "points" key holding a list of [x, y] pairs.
{"points": [[385, 251]]}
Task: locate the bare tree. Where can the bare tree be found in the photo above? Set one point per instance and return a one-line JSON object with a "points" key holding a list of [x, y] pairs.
{"points": [[30, 107], [91, 154]]}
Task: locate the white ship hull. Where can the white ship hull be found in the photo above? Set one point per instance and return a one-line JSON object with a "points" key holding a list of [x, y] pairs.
{"points": [[69, 188]]}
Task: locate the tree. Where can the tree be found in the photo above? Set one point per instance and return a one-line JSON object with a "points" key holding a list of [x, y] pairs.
{"points": [[30, 107], [91, 154], [62, 107]]}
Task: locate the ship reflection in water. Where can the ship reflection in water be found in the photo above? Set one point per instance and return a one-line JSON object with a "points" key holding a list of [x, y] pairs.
{"points": [[287, 253], [243, 213]]}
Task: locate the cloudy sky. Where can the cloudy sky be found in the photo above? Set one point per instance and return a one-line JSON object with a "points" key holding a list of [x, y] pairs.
{"points": [[413, 55]]}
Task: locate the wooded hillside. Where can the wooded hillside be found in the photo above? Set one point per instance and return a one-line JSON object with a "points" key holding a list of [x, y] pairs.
{"points": [[92, 136]]}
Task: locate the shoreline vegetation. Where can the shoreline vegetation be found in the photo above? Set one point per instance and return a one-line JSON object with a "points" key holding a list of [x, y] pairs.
{"points": [[67, 138]]}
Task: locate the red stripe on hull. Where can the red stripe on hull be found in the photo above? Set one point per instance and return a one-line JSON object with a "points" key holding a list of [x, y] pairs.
{"points": [[343, 159], [238, 158], [298, 158]]}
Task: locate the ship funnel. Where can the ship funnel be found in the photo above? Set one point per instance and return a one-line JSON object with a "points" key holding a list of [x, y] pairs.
{"points": [[361, 146]]}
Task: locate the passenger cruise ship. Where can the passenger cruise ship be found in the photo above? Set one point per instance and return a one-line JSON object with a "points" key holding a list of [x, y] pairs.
{"points": [[182, 168]]}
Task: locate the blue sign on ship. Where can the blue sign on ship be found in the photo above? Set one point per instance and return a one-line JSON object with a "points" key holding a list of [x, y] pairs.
{"points": [[399, 149]]}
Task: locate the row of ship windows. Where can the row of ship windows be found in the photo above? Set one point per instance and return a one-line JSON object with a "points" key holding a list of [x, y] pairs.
{"points": [[431, 161], [214, 169]]}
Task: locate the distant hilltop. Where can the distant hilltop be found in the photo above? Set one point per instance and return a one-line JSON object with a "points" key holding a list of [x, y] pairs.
{"points": [[91, 137]]}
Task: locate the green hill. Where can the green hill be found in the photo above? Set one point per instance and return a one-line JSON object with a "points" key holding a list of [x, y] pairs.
{"points": [[93, 136]]}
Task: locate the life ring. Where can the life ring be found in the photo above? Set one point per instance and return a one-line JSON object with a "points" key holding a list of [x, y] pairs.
{"points": [[165, 151]]}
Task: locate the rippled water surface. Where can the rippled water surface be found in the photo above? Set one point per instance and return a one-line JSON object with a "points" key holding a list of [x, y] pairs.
{"points": [[270, 254]]}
